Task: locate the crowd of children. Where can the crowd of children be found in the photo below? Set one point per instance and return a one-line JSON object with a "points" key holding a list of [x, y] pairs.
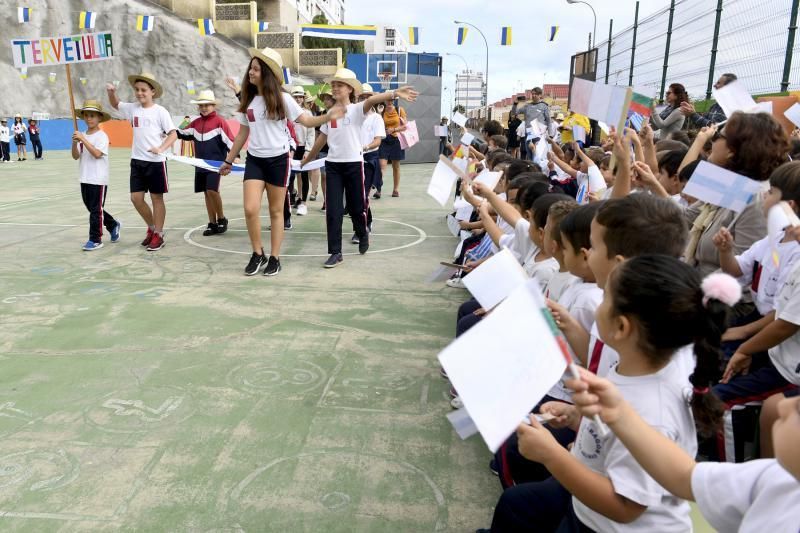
{"points": [[671, 346]]}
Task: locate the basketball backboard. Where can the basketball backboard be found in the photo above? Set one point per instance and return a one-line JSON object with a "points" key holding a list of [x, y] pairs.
{"points": [[383, 69]]}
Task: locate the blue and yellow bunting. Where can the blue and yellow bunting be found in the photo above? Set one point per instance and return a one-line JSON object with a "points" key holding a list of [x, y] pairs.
{"points": [[553, 33], [348, 33], [287, 76], [87, 20], [145, 22], [462, 35], [413, 35], [263, 26], [205, 27], [505, 36], [23, 14]]}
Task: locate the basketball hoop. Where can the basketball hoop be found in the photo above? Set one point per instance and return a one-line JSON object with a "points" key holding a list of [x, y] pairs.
{"points": [[386, 80]]}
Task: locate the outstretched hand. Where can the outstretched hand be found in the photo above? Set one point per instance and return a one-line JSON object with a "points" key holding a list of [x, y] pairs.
{"points": [[407, 93]]}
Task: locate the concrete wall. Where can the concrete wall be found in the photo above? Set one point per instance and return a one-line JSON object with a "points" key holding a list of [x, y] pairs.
{"points": [[190, 9]]}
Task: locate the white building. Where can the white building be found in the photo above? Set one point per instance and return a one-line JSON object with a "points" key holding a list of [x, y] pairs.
{"points": [[287, 13], [469, 89], [390, 40]]}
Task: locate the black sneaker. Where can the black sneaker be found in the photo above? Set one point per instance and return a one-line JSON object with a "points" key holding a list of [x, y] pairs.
{"points": [[255, 264], [354, 239], [287, 225], [363, 245], [212, 229], [273, 266], [222, 225], [333, 261]]}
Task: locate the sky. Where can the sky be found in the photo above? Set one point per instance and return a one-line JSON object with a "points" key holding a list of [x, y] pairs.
{"points": [[530, 61]]}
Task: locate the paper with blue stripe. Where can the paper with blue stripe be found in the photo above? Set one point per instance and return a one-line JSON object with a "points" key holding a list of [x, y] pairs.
{"points": [[721, 187], [23, 14]]}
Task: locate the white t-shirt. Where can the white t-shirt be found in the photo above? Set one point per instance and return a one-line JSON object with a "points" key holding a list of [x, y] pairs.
{"points": [[662, 400], [344, 135], [268, 137], [559, 282], [150, 126], [94, 170], [373, 127], [541, 271], [522, 247], [759, 270], [758, 496], [19, 127], [786, 355], [5, 135]]}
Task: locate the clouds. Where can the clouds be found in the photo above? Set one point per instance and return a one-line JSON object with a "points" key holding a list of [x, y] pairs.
{"points": [[531, 60]]}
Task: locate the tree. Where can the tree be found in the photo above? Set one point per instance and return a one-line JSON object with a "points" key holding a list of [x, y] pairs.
{"points": [[348, 47], [459, 109]]}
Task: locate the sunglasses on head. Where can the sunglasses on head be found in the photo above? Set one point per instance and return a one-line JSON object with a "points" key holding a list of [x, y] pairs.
{"points": [[719, 134]]}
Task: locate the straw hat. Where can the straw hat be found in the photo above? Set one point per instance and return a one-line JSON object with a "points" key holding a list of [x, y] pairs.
{"points": [[206, 96], [148, 78], [272, 59], [325, 89], [93, 105], [347, 76], [367, 89], [298, 90], [560, 116], [309, 97], [3, 120], [17, 116]]}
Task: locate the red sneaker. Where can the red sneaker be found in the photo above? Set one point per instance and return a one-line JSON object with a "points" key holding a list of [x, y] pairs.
{"points": [[156, 243], [149, 237]]}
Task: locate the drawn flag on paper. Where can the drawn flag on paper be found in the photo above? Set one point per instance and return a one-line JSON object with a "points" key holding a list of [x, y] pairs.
{"points": [[205, 164], [553, 33], [23, 14], [205, 27], [462, 35], [413, 35], [145, 22], [721, 187], [263, 26], [23, 73], [505, 36], [87, 20]]}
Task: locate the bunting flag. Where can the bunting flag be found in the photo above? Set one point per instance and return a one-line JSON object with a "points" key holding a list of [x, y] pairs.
{"points": [[347, 33], [263, 26], [23, 14], [287, 76], [205, 26], [190, 86], [23, 73], [52, 77], [462, 35], [87, 20], [84, 80], [144, 22], [553, 33], [641, 104], [413, 35], [505, 36]]}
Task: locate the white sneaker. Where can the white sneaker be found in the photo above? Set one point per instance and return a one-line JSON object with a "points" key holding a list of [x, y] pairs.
{"points": [[302, 210], [456, 403], [456, 283]]}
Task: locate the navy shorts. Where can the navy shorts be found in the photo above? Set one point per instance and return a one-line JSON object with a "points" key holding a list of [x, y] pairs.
{"points": [[273, 170], [205, 180], [760, 383], [149, 176]]}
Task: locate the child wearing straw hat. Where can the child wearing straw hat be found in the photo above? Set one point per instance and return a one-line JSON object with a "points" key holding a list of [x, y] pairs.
{"points": [[153, 133], [91, 150], [212, 139], [344, 165], [264, 113], [305, 140]]}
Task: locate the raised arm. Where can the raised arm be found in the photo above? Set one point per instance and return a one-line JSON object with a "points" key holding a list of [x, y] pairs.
{"points": [[406, 93], [310, 121], [551, 156], [112, 95], [622, 183], [501, 207], [703, 136]]}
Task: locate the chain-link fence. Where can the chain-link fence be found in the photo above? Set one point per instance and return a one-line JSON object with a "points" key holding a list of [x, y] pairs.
{"points": [[752, 44]]}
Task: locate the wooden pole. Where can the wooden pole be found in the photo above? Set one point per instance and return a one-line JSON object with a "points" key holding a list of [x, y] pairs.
{"points": [[71, 99]]}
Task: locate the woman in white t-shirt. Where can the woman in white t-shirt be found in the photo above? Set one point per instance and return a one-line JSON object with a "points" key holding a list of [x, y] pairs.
{"points": [[19, 129], [344, 166], [610, 491], [264, 110]]}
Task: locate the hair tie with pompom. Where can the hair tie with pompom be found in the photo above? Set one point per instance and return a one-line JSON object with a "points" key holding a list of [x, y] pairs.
{"points": [[721, 287]]}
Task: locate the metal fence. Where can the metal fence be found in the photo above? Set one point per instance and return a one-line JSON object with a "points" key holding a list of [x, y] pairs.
{"points": [[753, 37]]}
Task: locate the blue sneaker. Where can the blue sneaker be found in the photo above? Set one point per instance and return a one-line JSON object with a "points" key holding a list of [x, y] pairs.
{"points": [[91, 246], [115, 232]]}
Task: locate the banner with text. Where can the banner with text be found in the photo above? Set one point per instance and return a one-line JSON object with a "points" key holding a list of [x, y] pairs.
{"points": [[49, 51]]}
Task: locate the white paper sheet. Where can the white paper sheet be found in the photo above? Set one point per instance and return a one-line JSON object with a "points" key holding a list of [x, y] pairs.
{"points": [[313, 165], [495, 279], [440, 131], [762, 107], [505, 364], [734, 97], [453, 226], [600, 101], [780, 216], [441, 183], [596, 181], [460, 202], [721, 187], [459, 119], [488, 178], [538, 128], [579, 133], [604, 127], [581, 96], [467, 138], [464, 213], [793, 114]]}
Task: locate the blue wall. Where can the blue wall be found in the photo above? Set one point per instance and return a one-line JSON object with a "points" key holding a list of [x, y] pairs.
{"points": [[418, 64], [55, 134]]}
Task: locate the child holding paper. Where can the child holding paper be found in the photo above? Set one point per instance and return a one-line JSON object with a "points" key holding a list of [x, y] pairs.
{"points": [[153, 134], [598, 485]]}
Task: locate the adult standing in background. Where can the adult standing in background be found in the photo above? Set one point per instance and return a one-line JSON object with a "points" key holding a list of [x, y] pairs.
{"points": [[33, 129], [5, 139], [444, 140], [394, 118], [715, 114], [537, 109], [511, 134], [19, 129], [671, 118]]}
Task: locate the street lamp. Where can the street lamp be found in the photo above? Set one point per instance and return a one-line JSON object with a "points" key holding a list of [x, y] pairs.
{"points": [[594, 33], [486, 86], [466, 66]]}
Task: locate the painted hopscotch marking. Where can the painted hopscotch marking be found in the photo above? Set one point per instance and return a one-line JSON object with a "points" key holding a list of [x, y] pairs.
{"points": [[141, 410], [38, 470], [261, 378]]}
